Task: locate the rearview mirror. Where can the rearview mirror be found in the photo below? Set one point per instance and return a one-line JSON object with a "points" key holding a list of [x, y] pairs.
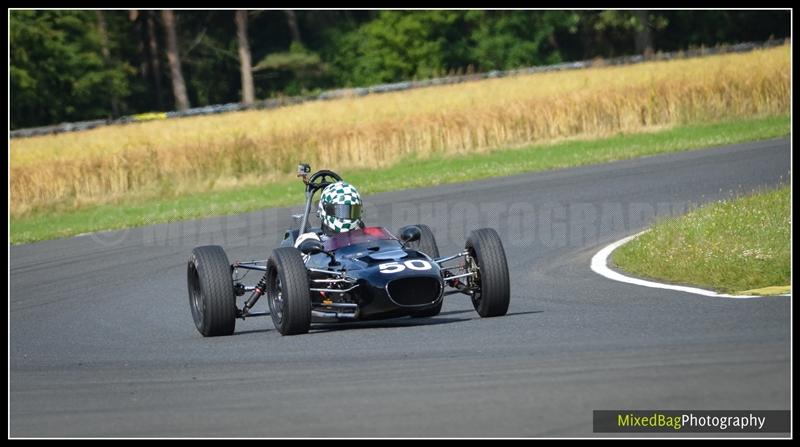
{"points": [[410, 233], [311, 247]]}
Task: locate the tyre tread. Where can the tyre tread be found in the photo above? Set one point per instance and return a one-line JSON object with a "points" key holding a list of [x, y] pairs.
{"points": [[216, 284], [294, 282]]}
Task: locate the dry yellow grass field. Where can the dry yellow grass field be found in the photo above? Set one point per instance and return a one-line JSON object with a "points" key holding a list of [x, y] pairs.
{"points": [[164, 158]]}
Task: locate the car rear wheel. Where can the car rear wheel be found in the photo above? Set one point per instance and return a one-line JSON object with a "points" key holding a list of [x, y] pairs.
{"points": [[491, 286], [427, 245], [426, 242], [287, 291], [211, 295]]}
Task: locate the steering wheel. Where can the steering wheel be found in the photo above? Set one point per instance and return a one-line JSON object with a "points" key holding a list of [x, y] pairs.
{"points": [[320, 179]]}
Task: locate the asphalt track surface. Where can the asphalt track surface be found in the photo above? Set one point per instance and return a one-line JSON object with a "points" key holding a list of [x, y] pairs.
{"points": [[103, 344]]}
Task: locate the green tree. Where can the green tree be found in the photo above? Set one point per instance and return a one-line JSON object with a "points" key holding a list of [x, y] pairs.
{"points": [[296, 69], [244, 57], [420, 44], [395, 46], [174, 58], [505, 40], [57, 69]]}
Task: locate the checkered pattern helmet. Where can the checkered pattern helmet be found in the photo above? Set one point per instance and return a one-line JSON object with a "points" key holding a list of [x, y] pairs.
{"points": [[340, 207]]}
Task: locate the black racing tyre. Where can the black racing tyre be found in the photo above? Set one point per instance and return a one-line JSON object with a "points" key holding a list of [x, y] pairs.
{"points": [[211, 297], [287, 291], [427, 245], [492, 293]]}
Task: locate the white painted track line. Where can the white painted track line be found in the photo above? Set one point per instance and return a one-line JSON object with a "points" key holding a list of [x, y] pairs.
{"points": [[600, 266]]}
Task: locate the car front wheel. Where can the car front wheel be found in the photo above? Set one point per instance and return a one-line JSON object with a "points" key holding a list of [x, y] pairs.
{"points": [[491, 290], [287, 291]]}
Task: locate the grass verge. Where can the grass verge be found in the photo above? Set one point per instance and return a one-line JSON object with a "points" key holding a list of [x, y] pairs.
{"points": [[735, 246], [410, 173]]}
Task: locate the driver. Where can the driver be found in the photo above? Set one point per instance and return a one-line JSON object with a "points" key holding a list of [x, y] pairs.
{"points": [[339, 208]]}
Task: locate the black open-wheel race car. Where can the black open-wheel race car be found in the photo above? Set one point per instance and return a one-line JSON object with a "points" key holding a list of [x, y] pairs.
{"points": [[362, 274]]}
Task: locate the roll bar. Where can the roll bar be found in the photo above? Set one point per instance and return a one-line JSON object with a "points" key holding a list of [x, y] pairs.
{"points": [[314, 183]]}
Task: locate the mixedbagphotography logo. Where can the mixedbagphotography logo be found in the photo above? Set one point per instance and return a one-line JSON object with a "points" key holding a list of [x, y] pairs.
{"points": [[108, 238], [691, 421]]}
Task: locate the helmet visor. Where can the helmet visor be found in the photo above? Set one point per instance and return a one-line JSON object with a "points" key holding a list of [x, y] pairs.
{"points": [[342, 211]]}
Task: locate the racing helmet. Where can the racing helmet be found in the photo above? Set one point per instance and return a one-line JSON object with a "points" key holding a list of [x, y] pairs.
{"points": [[340, 207]]}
